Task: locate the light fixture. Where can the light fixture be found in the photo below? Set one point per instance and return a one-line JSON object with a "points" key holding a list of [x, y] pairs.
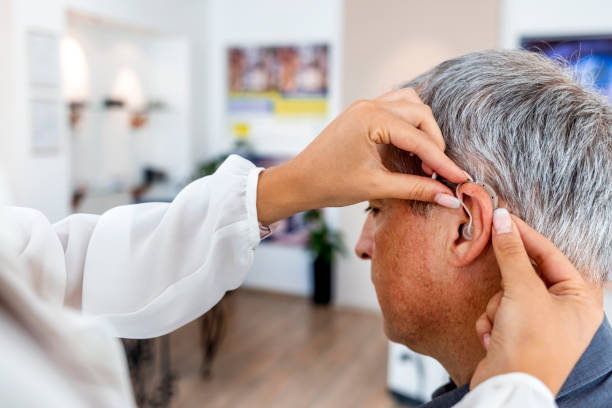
{"points": [[75, 77], [127, 88]]}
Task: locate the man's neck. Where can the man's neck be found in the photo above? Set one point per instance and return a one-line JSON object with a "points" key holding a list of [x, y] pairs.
{"points": [[460, 358]]}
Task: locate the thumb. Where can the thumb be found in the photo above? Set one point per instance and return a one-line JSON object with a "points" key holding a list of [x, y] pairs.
{"points": [[553, 264], [484, 326], [514, 264]]}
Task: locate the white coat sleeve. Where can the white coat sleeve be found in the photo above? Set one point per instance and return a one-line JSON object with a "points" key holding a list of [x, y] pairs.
{"points": [[514, 390], [147, 269]]}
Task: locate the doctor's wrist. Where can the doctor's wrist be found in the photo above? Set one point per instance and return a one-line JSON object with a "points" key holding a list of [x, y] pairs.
{"points": [[279, 194]]}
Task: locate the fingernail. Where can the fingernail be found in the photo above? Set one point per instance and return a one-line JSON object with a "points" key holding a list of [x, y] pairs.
{"points": [[468, 176], [486, 339], [502, 221], [434, 175], [447, 201]]}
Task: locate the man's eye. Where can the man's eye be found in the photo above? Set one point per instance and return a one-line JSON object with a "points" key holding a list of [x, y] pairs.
{"points": [[372, 210]]}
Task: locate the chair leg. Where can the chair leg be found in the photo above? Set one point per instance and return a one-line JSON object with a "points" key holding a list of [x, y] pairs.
{"points": [[212, 328]]}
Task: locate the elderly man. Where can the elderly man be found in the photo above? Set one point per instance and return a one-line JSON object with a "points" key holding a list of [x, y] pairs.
{"points": [[519, 123]]}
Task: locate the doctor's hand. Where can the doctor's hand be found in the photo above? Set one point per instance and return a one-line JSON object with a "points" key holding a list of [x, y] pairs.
{"points": [[343, 166], [536, 325]]}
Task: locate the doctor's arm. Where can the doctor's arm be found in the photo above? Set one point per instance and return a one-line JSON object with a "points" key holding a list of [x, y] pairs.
{"points": [[148, 269]]}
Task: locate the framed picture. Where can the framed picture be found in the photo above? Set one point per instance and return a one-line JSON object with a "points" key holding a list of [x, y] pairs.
{"points": [[278, 80], [43, 59], [45, 116]]}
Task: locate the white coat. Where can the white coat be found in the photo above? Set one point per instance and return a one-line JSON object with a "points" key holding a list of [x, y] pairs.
{"points": [[67, 291]]}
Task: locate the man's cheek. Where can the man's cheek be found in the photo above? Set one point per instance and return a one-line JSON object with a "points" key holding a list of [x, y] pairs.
{"points": [[382, 267], [375, 273]]}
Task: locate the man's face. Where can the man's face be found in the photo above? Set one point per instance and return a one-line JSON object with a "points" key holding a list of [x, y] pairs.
{"points": [[425, 300], [408, 270]]}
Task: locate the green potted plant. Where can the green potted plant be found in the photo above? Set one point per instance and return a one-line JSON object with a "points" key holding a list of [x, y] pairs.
{"points": [[324, 243], [241, 147]]}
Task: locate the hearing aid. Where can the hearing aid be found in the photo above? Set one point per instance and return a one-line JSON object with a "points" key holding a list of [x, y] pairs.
{"points": [[468, 230]]}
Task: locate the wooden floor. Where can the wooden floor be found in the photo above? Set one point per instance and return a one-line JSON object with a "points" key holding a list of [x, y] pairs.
{"points": [[280, 351]]}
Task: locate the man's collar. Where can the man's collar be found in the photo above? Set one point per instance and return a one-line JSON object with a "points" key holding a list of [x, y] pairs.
{"points": [[596, 361], [447, 395], [446, 388]]}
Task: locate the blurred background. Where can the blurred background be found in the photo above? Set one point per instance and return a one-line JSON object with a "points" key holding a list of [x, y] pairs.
{"points": [[111, 102]]}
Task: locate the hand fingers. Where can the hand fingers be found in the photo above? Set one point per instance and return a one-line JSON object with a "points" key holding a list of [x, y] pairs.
{"points": [[420, 116], [427, 169], [554, 266], [407, 137], [407, 104], [483, 330], [411, 187], [493, 305], [514, 264], [486, 321], [405, 94]]}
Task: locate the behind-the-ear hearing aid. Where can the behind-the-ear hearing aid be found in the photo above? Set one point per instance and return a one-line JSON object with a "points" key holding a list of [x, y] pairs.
{"points": [[468, 230]]}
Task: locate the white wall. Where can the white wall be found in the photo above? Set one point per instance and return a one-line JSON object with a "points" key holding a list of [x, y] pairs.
{"points": [[186, 18], [107, 152], [271, 22], [267, 22], [43, 181], [211, 26], [553, 18], [39, 180], [7, 84]]}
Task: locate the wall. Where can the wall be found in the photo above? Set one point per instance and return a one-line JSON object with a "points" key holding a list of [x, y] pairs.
{"points": [[553, 17], [7, 83], [270, 22], [186, 18], [210, 26], [403, 39], [39, 180], [267, 22], [43, 181], [107, 152]]}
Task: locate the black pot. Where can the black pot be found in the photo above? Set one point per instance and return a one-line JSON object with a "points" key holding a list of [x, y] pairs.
{"points": [[322, 274]]}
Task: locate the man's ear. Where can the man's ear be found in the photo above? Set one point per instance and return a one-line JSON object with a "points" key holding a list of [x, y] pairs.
{"points": [[478, 201]]}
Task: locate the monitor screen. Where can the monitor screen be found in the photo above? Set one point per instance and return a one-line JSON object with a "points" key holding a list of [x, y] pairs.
{"points": [[590, 56]]}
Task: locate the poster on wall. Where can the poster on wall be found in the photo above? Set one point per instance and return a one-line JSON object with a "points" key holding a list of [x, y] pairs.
{"points": [[589, 56], [45, 125], [278, 80], [43, 59]]}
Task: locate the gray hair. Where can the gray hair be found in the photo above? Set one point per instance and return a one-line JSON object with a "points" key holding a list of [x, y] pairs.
{"points": [[522, 124]]}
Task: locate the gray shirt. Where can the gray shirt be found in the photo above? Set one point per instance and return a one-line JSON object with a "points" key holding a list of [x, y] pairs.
{"points": [[588, 385]]}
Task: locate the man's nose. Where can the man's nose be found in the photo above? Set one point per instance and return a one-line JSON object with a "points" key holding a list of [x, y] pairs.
{"points": [[365, 244]]}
